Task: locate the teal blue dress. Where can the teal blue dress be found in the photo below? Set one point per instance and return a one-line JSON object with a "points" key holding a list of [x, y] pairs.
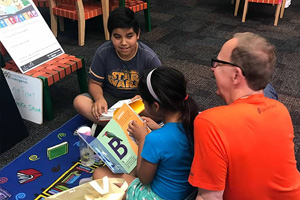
{"points": [[169, 148]]}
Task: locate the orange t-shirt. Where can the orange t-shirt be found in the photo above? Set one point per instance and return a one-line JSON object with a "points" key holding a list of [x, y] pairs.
{"points": [[246, 149]]}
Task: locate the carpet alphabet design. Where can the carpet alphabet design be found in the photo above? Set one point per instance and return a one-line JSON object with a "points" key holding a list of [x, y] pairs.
{"points": [[33, 176]]}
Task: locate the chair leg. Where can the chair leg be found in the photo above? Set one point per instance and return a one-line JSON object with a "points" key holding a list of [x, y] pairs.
{"points": [[81, 32], [277, 14], [81, 23], [282, 8], [105, 10], [53, 18], [81, 77], [237, 4], [53, 24], [47, 111], [147, 17], [61, 24], [245, 11], [122, 3]]}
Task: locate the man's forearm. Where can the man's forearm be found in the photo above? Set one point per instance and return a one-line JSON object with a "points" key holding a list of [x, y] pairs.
{"points": [[209, 194]]}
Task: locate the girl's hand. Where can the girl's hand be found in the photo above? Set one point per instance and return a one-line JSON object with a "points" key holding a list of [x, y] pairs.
{"points": [[151, 123], [136, 97], [137, 131]]}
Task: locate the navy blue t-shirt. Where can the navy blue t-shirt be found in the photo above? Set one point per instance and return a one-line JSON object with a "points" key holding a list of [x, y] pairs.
{"points": [[120, 78]]}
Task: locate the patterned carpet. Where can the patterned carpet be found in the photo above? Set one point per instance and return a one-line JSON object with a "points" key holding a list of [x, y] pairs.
{"points": [[185, 35]]}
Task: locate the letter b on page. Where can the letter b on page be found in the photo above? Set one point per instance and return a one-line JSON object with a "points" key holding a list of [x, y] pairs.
{"points": [[118, 148]]}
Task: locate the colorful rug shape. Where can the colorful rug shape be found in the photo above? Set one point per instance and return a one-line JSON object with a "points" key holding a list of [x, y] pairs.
{"points": [[33, 176]]}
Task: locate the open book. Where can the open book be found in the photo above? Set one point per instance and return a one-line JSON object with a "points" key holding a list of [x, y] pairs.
{"points": [[136, 105], [113, 145]]}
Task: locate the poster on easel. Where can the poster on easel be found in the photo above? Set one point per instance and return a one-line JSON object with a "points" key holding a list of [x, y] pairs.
{"points": [[25, 34], [28, 95]]}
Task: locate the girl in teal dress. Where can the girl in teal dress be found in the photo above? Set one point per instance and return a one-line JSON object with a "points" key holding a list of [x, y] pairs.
{"points": [[165, 154]]}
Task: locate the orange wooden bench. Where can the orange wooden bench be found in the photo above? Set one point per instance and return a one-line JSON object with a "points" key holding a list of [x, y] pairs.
{"points": [[52, 72], [41, 3]]}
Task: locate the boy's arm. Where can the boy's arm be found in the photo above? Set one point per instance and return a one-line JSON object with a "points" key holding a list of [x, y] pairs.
{"points": [[100, 104]]}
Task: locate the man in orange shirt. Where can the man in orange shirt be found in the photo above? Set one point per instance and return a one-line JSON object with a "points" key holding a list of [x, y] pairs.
{"points": [[245, 150]]}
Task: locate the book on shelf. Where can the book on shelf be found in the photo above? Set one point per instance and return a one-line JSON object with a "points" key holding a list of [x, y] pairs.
{"points": [[137, 105], [113, 145]]}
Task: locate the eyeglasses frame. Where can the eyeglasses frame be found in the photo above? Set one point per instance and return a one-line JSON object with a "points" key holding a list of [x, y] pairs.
{"points": [[214, 60]]}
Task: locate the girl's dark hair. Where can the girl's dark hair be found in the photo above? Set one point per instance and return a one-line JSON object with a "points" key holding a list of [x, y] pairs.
{"points": [[122, 17], [169, 86]]}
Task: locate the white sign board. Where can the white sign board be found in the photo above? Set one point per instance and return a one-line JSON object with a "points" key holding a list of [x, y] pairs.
{"points": [[25, 34], [27, 92]]}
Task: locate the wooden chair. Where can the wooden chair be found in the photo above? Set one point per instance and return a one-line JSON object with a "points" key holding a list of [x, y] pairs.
{"points": [[273, 2], [237, 4], [136, 6], [282, 8], [139, 5], [79, 10], [52, 72]]}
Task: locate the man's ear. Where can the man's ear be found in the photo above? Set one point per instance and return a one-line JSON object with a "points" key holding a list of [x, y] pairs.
{"points": [[237, 75]]}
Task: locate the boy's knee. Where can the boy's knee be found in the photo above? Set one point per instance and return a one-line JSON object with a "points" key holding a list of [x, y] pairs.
{"points": [[77, 102], [80, 101]]}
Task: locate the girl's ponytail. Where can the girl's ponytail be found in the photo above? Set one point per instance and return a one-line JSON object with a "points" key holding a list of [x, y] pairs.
{"points": [[167, 86], [189, 113]]}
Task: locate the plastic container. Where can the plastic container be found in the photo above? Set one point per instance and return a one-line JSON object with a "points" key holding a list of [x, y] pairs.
{"points": [[86, 153]]}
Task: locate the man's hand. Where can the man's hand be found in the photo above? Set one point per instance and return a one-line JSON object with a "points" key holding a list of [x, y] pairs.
{"points": [[99, 107]]}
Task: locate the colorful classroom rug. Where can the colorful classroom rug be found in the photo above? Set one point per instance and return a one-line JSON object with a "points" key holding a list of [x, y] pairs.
{"points": [[33, 176]]}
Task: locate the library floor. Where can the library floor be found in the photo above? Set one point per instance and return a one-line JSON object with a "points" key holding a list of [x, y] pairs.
{"points": [[185, 35]]}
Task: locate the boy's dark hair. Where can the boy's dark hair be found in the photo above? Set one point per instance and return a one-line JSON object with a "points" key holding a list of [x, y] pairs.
{"points": [[169, 85], [122, 17]]}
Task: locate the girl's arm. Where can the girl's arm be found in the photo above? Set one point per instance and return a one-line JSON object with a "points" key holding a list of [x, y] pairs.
{"points": [[151, 123], [145, 170]]}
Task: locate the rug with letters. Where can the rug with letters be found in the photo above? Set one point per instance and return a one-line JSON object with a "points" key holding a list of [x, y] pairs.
{"points": [[33, 176]]}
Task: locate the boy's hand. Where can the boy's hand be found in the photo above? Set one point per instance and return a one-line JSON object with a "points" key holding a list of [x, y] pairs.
{"points": [[138, 132], [151, 123], [136, 97], [99, 107]]}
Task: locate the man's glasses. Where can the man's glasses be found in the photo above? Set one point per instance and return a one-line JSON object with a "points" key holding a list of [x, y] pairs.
{"points": [[215, 60]]}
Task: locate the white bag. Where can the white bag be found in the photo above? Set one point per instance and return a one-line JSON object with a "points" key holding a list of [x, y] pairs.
{"points": [[100, 189]]}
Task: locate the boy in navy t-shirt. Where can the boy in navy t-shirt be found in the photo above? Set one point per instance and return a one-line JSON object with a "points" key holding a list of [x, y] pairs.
{"points": [[116, 66]]}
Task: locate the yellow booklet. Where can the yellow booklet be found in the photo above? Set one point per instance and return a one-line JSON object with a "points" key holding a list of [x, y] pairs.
{"points": [[137, 106]]}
